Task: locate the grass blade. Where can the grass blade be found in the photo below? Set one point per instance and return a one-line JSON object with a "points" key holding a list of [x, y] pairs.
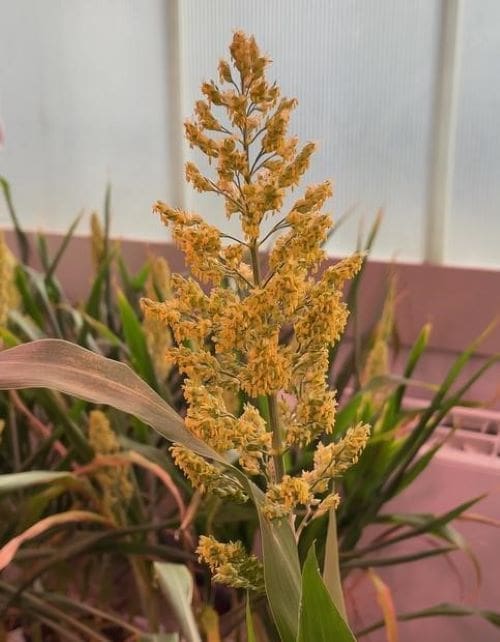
{"points": [[319, 620], [20, 481], [249, 622], [62, 248], [22, 239], [136, 341], [331, 569], [444, 609], [176, 583]]}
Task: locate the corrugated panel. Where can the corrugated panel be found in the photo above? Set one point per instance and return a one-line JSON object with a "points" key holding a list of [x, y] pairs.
{"points": [[85, 100], [474, 231], [364, 73]]}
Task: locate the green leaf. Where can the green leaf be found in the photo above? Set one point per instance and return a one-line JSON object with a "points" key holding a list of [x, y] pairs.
{"points": [[176, 583], [319, 620], [29, 303], [398, 559], [428, 523], [92, 306], [40, 287], [29, 329], [22, 239], [444, 609], [249, 623], [20, 481], [103, 330], [416, 352], [331, 569], [417, 469], [43, 251], [136, 341], [281, 570], [62, 248]]}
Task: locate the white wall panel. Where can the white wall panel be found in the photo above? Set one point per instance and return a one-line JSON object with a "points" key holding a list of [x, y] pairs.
{"points": [[474, 230], [364, 74], [84, 100], [89, 94]]}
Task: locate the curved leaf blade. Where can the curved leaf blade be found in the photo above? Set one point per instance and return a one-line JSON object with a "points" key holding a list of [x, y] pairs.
{"points": [[319, 620], [64, 366], [20, 481], [176, 583]]}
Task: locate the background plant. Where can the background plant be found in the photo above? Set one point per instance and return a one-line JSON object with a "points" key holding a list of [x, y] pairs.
{"points": [[68, 466]]}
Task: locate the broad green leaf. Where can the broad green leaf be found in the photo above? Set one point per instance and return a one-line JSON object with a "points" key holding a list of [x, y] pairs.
{"points": [[61, 365], [20, 481], [319, 620], [331, 568], [281, 570], [176, 583], [249, 623], [136, 341]]}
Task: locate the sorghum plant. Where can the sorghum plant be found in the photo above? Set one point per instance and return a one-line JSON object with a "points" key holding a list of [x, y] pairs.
{"points": [[227, 323]]}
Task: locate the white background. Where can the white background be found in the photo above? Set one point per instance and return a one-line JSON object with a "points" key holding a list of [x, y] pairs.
{"points": [[93, 91]]}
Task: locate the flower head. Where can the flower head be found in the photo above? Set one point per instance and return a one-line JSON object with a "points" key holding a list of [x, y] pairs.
{"points": [[253, 340]]}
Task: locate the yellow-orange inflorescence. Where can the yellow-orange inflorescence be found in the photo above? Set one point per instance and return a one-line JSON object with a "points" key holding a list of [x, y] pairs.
{"points": [[253, 340], [114, 481], [9, 295], [230, 564]]}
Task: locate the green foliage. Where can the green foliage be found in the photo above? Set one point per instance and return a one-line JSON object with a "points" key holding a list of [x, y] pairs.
{"points": [[318, 617]]}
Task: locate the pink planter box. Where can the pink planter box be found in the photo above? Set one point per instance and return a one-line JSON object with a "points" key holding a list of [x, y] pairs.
{"points": [[460, 472]]}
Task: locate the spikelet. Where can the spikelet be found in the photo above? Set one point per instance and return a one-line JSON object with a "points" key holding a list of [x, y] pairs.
{"points": [[97, 240], [158, 337], [9, 295], [115, 482], [230, 564]]}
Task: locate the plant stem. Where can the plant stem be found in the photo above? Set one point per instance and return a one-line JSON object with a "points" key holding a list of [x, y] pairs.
{"points": [[274, 423], [279, 467]]}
